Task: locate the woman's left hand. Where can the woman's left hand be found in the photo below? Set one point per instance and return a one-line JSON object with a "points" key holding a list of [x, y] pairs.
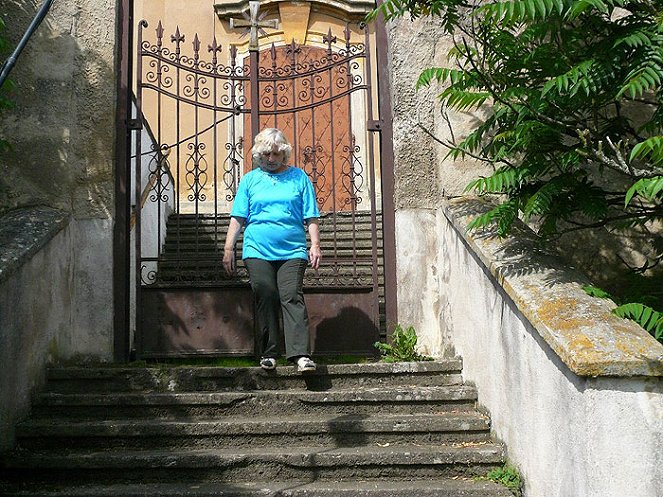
{"points": [[315, 255]]}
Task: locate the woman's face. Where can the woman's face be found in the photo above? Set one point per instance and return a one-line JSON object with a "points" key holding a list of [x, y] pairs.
{"points": [[273, 160]]}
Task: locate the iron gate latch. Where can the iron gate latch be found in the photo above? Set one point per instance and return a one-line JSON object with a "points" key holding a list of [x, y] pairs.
{"points": [[134, 124], [375, 124]]}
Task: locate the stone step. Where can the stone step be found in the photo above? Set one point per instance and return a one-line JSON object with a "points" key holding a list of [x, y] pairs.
{"points": [[365, 401], [248, 464], [251, 432], [214, 379], [457, 487]]}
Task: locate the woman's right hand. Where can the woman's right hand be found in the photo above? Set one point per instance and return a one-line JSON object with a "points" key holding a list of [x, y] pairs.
{"points": [[229, 260]]}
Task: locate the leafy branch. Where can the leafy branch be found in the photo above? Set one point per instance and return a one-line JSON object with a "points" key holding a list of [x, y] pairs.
{"points": [[573, 96]]}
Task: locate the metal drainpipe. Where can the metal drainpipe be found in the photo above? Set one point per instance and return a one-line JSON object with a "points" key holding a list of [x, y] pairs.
{"points": [[9, 63]]}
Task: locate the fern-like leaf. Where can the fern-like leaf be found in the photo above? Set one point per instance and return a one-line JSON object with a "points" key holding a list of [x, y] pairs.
{"points": [[503, 215], [518, 11], [646, 76], [462, 100], [594, 291], [501, 181], [634, 39], [542, 200], [650, 149], [390, 9], [648, 188], [443, 74], [645, 316]]}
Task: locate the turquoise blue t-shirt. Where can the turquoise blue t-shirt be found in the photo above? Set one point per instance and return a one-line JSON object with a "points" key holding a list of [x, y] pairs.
{"points": [[275, 207]]}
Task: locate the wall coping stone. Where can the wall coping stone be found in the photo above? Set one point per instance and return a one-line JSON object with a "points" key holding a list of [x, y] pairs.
{"points": [[23, 232], [580, 329]]}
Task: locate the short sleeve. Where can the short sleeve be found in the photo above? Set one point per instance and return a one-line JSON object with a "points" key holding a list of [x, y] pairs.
{"points": [[240, 206], [309, 202]]}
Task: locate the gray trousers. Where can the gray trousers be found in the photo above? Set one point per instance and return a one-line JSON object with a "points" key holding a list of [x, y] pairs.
{"points": [[278, 286]]}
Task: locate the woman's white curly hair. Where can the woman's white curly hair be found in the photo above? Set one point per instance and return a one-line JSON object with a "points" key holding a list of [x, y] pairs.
{"points": [[265, 141]]}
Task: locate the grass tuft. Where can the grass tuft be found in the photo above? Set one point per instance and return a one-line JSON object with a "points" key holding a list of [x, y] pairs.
{"points": [[508, 476]]}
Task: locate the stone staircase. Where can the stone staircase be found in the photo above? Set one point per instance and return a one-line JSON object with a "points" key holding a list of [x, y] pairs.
{"points": [[194, 245], [371, 429], [193, 253]]}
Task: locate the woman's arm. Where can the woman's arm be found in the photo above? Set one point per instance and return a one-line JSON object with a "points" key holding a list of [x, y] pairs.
{"points": [[314, 253], [234, 228]]}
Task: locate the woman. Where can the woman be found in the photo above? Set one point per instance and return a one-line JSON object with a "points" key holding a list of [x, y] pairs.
{"points": [[275, 202]]}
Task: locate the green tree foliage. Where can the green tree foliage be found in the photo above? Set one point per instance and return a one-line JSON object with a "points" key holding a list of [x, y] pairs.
{"points": [[574, 131], [647, 317], [575, 88]]}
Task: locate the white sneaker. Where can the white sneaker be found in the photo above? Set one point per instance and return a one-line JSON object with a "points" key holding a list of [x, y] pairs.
{"points": [[268, 363], [305, 364]]}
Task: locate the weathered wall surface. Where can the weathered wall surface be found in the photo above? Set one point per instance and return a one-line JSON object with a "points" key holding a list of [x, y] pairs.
{"points": [[62, 134], [62, 128], [423, 176], [569, 434], [44, 304]]}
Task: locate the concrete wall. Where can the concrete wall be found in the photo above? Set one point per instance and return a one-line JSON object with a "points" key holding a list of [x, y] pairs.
{"points": [[569, 434], [62, 126], [62, 133], [45, 313]]}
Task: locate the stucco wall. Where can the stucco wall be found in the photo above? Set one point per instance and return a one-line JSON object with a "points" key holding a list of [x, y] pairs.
{"points": [[569, 435], [62, 134], [423, 174], [45, 313], [62, 128]]}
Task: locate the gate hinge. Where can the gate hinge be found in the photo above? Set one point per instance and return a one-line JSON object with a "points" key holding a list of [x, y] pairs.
{"points": [[375, 124], [134, 124]]}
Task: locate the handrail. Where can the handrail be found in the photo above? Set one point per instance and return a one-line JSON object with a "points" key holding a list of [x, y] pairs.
{"points": [[8, 65]]}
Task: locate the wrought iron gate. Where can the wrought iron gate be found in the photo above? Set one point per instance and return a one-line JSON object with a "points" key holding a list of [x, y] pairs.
{"points": [[196, 112]]}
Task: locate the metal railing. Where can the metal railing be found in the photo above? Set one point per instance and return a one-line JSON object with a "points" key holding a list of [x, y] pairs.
{"points": [[8, 65]]}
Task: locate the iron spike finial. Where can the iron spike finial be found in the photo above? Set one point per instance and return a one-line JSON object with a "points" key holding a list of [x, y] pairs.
{"points": [[196, 43], [329, 39], [214, 48], [159, 31], [272, 52], [177, 37], [293, 50]]}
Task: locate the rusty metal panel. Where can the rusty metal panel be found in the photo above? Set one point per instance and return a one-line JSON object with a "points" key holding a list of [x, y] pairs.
{"points": [[180, 322], [342, 323]]}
